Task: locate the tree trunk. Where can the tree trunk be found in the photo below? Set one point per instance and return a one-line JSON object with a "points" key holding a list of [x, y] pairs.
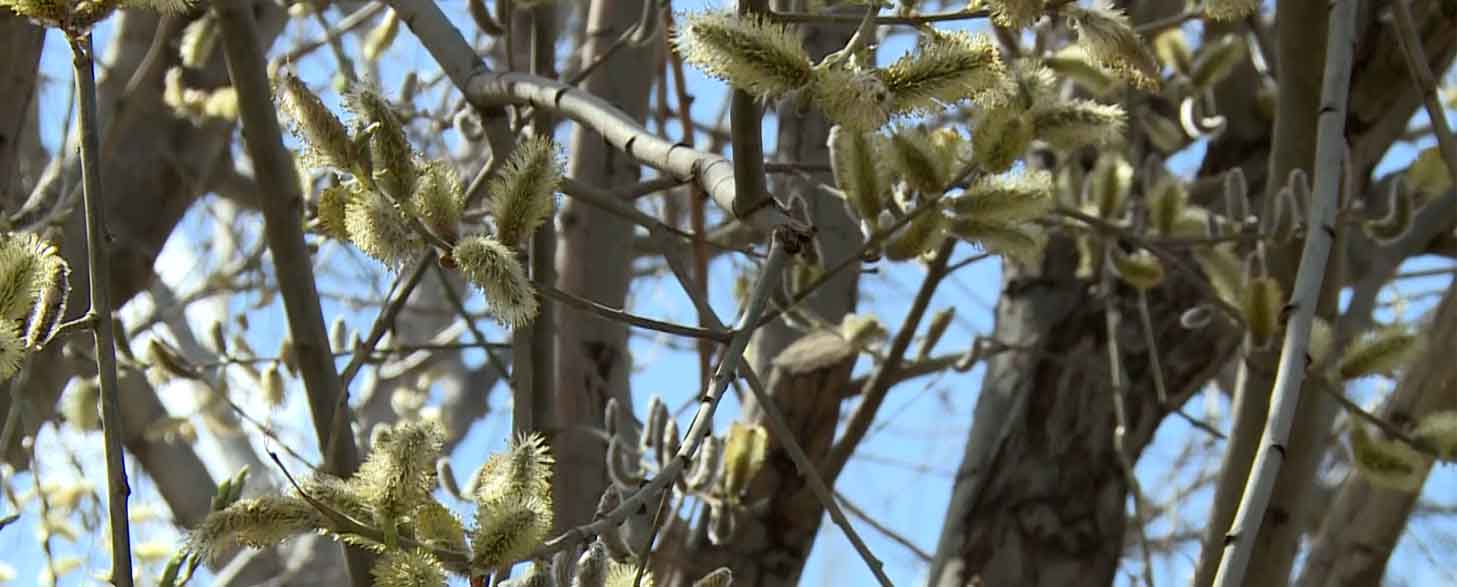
{"points": [[593, 261], [20, 43], [1040, 498]]}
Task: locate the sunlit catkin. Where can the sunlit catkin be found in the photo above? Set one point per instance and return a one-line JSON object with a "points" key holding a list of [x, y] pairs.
{"points": [[523, 471], [380, 229], [749, 52], [524, 195], [1072, 124], [493, 268], [743, 455], [390, 156], [1001, 137], [326, 142], [947, 67], [1440, 431], [399, 567], [381, 36], [850, 96], [937, 327], [1006, 199], [508, 530], [1015, 14], [439, 199], [1107, 35]]}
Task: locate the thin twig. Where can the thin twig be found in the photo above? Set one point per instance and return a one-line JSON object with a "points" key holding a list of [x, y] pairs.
{"points": [[99, 275], [1112, 317], [1421, 73], [702, 419], [630, 318], [1289, 377], [884, 530], [293, 265], [879, 383], [781, 431]]}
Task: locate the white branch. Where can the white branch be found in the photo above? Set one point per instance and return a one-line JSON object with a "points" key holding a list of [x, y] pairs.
{"points": [[487, 90], [1290, 376]]}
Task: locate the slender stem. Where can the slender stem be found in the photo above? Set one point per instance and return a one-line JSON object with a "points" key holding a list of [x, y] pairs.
{"points": [[1421, 73], [630, 318], [879, 383], [780, 428], [1239, 543], [99, 275], [1112, 318], [283, 231], [702, 419]]}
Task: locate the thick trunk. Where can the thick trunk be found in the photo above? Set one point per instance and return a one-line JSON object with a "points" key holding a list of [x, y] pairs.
{"points": [[1040, 498], [593, 261], [20, 43]]}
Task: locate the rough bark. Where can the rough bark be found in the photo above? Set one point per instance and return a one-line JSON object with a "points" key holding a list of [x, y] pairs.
{"points": [[593, 361], [20, 43], [1047, 505]]}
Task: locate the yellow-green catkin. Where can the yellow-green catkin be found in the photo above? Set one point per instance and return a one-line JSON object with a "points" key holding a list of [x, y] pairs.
{"points": [[1224, 270], [1166, 202], [934, 330], [1261, 302], [1016, 14], [918, 162], [743, 456], [1216, 60], [1378, 353], [439, 200], [1021, 243], [379, 228], [1107, 35], [1002, 136], [415, 567], [750, 53], [1006, 199], [946, 68], [326, 141], [1077, 123], [381, 36], [493, 268], [524, 195], [1391, 464], [1439, 429], [391, 159], [850, 96], [859, 174], [1140, 269], [1172, 49], [924, 232]]}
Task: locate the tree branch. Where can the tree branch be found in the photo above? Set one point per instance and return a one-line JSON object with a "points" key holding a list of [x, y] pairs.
{"points": [[283, 230], [1294, 352], [486, 89]]}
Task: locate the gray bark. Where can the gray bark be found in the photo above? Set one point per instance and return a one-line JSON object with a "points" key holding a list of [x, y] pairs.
{"points": [[593, 261]]}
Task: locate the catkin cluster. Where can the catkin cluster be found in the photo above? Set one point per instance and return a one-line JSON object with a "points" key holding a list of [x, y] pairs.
{"points": [[394, 205]]}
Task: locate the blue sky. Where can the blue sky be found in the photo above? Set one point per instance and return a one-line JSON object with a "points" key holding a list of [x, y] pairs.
{"points": [[903, 471]]}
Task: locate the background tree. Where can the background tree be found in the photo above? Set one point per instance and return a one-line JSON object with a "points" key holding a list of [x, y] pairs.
{"points": [[1147, 179]]}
